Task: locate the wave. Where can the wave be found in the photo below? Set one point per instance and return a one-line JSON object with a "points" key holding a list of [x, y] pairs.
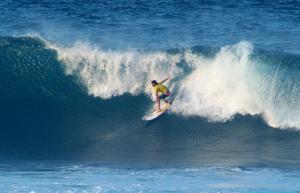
{"points": [[216, 84], [84, 102], [212, 83]]}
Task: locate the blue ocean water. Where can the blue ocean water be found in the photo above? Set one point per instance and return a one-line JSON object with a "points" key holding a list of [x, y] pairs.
{"points": [[74, 85], [91, 178]]}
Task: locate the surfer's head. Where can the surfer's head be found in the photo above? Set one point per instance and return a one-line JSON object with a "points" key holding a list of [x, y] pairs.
{"points": [[154, 83]]}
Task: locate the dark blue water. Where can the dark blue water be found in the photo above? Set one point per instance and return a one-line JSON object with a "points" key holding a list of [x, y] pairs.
{"points": [[157, 24], [74, 86]]}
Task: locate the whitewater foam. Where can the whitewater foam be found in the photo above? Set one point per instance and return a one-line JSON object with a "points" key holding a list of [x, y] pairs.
{"points": [[218, 87], [114, 73]]}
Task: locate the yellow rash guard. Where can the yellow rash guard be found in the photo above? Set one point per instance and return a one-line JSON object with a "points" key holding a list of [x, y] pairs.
{"points": [[160, 88]]}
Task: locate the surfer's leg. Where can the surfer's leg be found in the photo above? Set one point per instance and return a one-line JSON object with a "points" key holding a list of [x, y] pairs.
{"points": [[169, 101], [163, 97]]}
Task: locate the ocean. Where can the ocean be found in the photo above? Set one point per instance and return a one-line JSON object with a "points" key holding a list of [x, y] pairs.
{"points": [[75, 83]]}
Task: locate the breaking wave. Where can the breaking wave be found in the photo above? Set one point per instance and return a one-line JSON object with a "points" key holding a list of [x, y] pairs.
{"points": [[214, 83]]}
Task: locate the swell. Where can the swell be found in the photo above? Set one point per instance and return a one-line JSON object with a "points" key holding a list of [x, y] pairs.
{"points": [[64, 101], [213, 83]]}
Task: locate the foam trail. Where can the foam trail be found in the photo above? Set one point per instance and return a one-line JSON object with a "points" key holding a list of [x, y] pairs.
{"points": [[231, 82]]}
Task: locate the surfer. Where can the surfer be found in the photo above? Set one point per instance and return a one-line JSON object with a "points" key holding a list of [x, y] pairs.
{"points": [[161, 92]]}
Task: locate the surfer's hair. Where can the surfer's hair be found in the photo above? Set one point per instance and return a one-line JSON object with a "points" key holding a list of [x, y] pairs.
{"points": [[154, 82]]}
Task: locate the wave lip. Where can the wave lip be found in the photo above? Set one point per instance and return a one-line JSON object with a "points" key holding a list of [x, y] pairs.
{"points": [[114, 73]]}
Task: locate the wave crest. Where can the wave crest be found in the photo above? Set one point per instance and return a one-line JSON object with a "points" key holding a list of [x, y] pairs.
{"points": [[114, 73]]}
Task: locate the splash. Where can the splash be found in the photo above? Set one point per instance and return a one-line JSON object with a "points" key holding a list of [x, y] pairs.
{"points": [[114, 73], [219, 87]]}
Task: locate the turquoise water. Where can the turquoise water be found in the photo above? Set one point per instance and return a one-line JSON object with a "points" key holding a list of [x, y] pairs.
{"points": [[79, 178]]}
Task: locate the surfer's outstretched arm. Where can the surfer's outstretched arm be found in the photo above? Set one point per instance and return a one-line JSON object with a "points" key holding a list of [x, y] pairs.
{"points": [[164, 80]]}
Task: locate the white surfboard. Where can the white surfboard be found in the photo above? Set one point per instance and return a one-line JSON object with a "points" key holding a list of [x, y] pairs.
{"points": [[155, 114]]}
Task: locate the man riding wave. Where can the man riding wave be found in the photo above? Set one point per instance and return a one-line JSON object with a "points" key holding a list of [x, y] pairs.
{"points": [[161, 92]]}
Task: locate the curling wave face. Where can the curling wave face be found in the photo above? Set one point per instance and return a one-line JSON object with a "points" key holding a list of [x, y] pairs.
{"points": [[217, 85]]}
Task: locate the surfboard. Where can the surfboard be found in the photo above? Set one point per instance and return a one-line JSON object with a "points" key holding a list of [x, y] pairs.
{"points": [[155, 114]]}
